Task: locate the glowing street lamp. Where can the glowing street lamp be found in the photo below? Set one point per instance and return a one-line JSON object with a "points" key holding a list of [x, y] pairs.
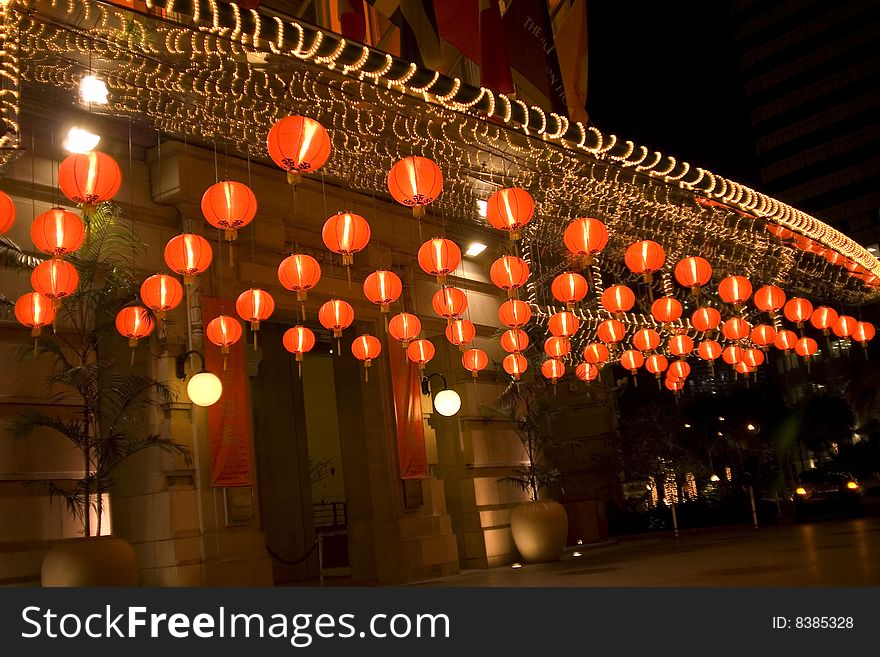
{"points": [[446, 402], [204, 388]]}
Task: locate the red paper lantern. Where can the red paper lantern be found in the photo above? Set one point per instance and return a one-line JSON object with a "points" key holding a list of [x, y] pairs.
{"points": [[134, 323], [693, 272], [674, 384], [449, 302], [7, 213], [55, 279], [557, 347], [563, 324], [586, 372], [705, 319], [57, 232], [514, 313], [596, 353], [733, 354], [336, 315], [224, 331], [298, 341], [584, 238], [864, 333], [632, 360], [515, 365], [785, 340], [298, 145], [228, 206], [420, 352], [763, 335], [346, 233], [709, 350], [514, 340], [666, 310], [161, 293], [769, 298], [404, 327], [461, 333], [415, 182], [366, 348], [299, 273], [509, 273], [611, 331], [474, 361], [736, 328], [823, 318], [34, 311], [646, 339], [735, 289], [656, 363], [618, 299], [439, 257], [742, 367], [806, 347], [569, 288], [798, 310], [680, 345], [255, 306], [552, 369], [678, 370], [753, 357], [383, 288], [510, 209], [89, 178], [188, 255], [645, 258], [845, 326]]}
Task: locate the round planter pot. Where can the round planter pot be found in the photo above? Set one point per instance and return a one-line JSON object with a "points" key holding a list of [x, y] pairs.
{"points": [[93, 561], [540, 530]]}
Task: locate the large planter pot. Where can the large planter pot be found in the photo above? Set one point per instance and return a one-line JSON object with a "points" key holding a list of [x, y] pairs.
{"points": [[93, 561], [540, 530]]}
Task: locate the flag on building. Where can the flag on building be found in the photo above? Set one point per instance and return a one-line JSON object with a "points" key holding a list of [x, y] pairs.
{"points": [[571, 49], [419, 38], [352, 19], [494, 59]]}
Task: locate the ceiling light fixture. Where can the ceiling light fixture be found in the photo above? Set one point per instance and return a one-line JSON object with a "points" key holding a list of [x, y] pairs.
{"points": [[93, 90], [79, 140], [474, 249]]}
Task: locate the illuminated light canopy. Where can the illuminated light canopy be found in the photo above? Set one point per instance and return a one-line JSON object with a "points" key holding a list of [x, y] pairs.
{"points": [[514, 313], [645, 257], [415, 182], [229, 205], [346, 233], [509, 210], [298, 144], [439, 257]]}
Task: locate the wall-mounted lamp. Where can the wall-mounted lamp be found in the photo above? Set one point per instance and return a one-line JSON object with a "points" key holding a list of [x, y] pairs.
{"points": [[203, 388], [446, 401]]}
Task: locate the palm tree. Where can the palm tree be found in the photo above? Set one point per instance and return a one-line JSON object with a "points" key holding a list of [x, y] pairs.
{"points": [[112, 401]]}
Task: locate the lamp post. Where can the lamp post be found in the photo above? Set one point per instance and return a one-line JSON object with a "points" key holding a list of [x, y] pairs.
{"points": [[204, 388], [446, 402]]}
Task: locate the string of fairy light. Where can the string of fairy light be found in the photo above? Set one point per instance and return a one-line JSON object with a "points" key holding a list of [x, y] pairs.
{"points": [[222, 97]]}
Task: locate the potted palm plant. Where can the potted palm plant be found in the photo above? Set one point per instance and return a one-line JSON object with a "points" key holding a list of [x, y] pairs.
{"points": [[540, 525], [110, 423]]}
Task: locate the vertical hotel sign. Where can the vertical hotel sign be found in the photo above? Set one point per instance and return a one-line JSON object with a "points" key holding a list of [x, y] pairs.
{"points": [[229, 420], [412, 456]]}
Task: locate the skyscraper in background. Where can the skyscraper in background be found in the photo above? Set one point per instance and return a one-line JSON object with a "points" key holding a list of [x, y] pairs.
{"points": [[811, 71]]}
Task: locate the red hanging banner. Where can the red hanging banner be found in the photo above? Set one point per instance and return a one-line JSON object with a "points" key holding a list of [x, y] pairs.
{"points": [[229, 420], [411, 453]]}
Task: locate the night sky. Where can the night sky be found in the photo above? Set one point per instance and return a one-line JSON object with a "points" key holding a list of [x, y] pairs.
{"points": [[665, 75]]}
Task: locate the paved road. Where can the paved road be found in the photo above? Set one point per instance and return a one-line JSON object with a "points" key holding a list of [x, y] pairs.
{"points": [[820, 553]]}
